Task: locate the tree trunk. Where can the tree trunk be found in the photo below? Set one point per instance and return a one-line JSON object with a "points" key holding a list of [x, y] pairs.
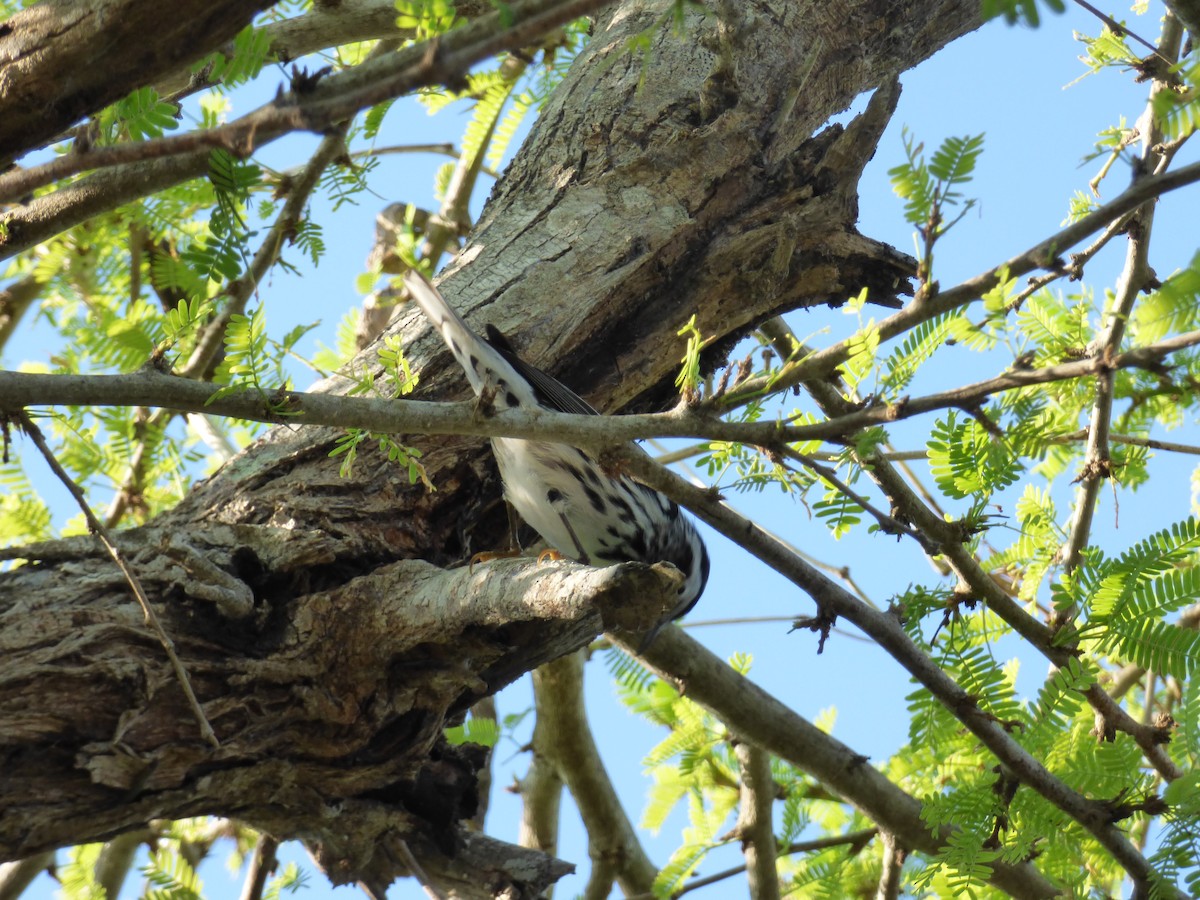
{"points": [[690, 179]]}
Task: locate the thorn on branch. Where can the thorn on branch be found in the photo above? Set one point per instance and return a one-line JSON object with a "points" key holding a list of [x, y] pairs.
{"points": [[896, 410], [1103, 730], [822, 623], [1094, 470], [1024, 362], [1119, 808], [960, 597], [894, 609], [926, 292], [1164, 724], [302, 83], [1074, 271]]}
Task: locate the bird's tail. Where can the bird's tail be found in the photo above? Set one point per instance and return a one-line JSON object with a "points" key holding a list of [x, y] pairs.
{"points": [[485, 367]]}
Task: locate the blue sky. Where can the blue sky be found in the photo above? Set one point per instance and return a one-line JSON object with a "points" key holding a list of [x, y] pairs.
{"points": [[1009, 83]]}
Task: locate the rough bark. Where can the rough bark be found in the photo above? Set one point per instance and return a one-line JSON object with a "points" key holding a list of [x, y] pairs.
{"points": [[62, 60], [692, 179], [329, 702]]}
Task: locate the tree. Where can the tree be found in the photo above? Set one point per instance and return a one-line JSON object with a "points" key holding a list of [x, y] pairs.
{"points": [[306, 636]]}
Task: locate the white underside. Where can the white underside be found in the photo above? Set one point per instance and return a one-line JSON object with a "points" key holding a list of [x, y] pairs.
{"points": [[527, 481]]}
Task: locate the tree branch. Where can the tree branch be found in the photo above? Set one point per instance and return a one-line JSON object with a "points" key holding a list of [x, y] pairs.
{"points": [[71, 59], [1043, 254], [17, 875], [154, 389], [1097, 464], [833, 601], [15, 299], [755, 716], [444, 60], [754, 823], [893, 864], [612, 841], [116, 859]]}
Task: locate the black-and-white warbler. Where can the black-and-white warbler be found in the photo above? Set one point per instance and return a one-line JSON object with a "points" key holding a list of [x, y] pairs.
{"points": [[582, 511]]}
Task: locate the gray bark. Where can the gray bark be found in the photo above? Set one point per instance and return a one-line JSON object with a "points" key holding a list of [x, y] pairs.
{"points": [[63, 60], [694, 179]]}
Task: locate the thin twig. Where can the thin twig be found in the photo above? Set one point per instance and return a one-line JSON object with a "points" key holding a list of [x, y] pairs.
{"points": [[262, 864], [1132, 440], [889, 524], [27, 425], [855, 840], [1118, 29], [202, 362], [406, 855], [1075, 269], [1097, 465]]}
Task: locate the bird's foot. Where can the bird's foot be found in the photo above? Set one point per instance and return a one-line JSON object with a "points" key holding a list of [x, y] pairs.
{"points": [[488, 556]]}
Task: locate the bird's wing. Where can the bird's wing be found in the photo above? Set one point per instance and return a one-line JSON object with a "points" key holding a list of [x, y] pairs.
{"points": [[551, 393], [491, 362]]}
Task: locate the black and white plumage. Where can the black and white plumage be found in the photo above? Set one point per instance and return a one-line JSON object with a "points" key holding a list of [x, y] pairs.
{"points": [[583, 512]]}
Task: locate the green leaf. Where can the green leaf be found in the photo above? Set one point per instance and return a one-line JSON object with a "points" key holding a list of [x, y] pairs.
{"points": [[474, 731], [251, 46], [1015, 11]]}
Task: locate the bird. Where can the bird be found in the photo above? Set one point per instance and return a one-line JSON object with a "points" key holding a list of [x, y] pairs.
{"points": [[581, 510]]}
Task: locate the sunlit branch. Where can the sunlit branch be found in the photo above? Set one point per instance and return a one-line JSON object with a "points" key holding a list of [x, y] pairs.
{"points": [[833, 601], [117, 858], [573, 753], [541, 788], [1097, 464], [17, 875], [893, 863], [15, 300], [262, 864], [151, 388]]}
